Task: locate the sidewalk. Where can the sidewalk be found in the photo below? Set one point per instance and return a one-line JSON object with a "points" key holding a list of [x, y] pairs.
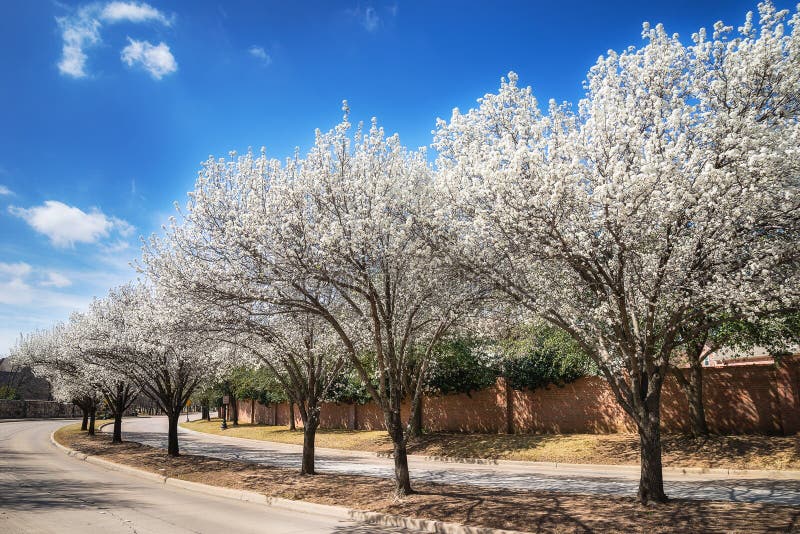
{"points": [[593, 479]]}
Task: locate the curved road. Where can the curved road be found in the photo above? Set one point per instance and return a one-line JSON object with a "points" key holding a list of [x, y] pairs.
{"points": [[44, 490], [579, 479]]}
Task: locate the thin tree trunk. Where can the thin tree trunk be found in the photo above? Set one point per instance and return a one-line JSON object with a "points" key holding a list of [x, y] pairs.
{"points": [[85, 421], [309, 437], [291, 416], [234, 410], [401, 476], [651, 481], [172, 437], [694, 392], [92, 416], [415, 429], [206, 413], [117, 428]]}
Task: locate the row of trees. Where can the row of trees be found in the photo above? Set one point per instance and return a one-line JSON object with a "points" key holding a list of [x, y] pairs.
{"points": [[664, 205]]}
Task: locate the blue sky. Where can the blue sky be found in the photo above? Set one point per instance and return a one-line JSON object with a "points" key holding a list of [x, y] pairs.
{"points": [[108, 108]]}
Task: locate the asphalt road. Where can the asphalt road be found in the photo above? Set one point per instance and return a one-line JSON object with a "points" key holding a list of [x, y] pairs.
{"points": [[44, 490], [623, 481]]}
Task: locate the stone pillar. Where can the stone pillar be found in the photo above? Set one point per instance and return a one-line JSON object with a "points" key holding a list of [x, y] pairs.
{"points": [[787, 374]]}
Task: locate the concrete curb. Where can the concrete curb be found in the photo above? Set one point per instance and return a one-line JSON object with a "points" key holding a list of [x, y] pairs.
{"points": [[776, 474], [338, 512]]}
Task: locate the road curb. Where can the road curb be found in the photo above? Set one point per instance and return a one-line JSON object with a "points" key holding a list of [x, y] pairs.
{"points": [[338, 512], [774, 474]]}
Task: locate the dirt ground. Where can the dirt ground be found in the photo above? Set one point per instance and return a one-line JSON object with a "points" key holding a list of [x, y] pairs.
{"points": [[518, 510], [733, 452]]}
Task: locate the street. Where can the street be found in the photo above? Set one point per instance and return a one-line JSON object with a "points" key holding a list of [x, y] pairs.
{"points": [[579, 479], [44, 490]]}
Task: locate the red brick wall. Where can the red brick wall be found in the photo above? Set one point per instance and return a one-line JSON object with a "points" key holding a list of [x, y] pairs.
{"points": [[480, 411], [748, 399]]}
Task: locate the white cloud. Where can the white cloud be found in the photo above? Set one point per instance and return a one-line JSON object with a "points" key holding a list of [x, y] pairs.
{"points": [[132, 12], [116, 247], [5, 191], [367, 17], [15, 270], [34, 297], [15, 291], [259, 53], [81, 30], [66, 225], [78, 32], [123, 228], [55, 279], [157, 60]]}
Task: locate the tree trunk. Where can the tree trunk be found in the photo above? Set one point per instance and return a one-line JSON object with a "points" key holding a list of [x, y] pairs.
{"points": [[172, 437], [309, 437], [92, 416], [402, 478], [651, 481], [206, 413], [291, 416], [234, 410], [694, 392], [117, 428], [415, 429], [85, 421]]}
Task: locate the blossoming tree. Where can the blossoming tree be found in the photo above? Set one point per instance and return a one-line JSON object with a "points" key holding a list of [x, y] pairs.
{"points": [[669, 198], [151, 340], [331, 235]]}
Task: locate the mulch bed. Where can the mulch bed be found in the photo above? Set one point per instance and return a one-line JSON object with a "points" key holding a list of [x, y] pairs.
{"points": [[510, 509]]}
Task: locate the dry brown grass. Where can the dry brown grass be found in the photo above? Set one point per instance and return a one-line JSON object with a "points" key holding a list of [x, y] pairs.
{"points": [[733, 452], [520, 510]]}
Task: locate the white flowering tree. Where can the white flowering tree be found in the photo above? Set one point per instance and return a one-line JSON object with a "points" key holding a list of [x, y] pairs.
{"points": [[303, 356], [668, 199], [72, 379], [152, 341], [330, 235], [297, 347], [118, 390]]}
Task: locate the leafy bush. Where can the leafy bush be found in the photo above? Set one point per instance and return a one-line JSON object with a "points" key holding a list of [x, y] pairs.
{"points": [[534, 356], [348, 388], [461, 366], [540, 355], [8, 393]]}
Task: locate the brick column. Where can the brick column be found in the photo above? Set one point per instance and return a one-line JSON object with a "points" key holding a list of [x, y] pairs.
{"points": [[788, 390], [509, 403]]}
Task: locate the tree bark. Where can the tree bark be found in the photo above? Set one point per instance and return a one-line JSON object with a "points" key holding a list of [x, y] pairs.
{"points": [[309, 437], [651, 481], [117, 428], [206, 413], [234, 410], [172, 437], [291, 416], [401, 476], [85, 421], [92, 416]]}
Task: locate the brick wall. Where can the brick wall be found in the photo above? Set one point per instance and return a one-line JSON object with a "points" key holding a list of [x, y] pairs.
{"points": [[751, 399]]}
